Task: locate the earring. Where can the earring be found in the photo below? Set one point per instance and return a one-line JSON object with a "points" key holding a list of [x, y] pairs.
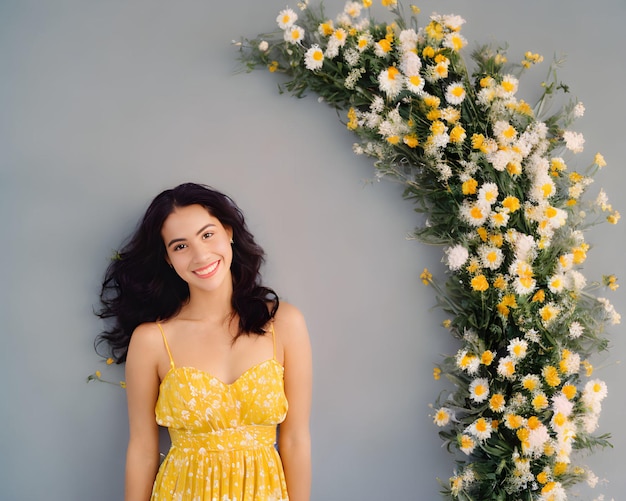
{"points": [[232, 241]]}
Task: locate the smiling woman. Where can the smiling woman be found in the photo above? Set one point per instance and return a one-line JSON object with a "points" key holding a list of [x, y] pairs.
{"points": [[210, 351]]}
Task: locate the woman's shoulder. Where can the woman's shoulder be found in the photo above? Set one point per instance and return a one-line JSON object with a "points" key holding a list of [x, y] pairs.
{"points": [[289, 322], [147, 336], [288, 313]]}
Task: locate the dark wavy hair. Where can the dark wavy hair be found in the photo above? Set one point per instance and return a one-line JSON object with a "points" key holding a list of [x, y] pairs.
{"points": [[139, 286]]}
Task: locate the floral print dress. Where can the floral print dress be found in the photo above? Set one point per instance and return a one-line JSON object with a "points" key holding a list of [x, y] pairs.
{"points": [[223, 435]]}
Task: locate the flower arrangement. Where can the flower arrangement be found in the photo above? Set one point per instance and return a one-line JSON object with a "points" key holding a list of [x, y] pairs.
{"points": [[489, 172]]}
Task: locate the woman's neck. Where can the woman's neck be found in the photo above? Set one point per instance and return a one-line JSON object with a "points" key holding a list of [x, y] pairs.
{"points": [[214, 306]]}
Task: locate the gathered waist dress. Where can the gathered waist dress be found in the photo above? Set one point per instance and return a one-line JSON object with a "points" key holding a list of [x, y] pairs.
{"points": [[223, 435]]}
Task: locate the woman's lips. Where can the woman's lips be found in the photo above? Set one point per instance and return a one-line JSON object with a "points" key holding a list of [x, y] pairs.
{"points": [[207, 271]]}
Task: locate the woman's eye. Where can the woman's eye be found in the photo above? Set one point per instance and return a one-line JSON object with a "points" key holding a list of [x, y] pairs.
{"points": [[207, 235], [179, 247]]}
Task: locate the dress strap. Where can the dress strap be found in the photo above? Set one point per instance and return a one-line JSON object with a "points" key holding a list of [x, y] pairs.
{"points": [[167, 347], [273, 338]]}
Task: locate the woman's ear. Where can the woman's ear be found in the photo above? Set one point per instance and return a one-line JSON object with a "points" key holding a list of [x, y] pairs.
{"points": [[229, 232]]}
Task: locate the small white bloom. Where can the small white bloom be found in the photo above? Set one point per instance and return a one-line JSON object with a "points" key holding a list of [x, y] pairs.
{"points": [[574, 141], [517, 348], [575, 330], [561, 404], [353, 9], [455, 93], [314, 58], [294, 34], [479, 390], [579, 110], [443, 416], [263, 46], [456, 256], [490, 257], [286, 18]]}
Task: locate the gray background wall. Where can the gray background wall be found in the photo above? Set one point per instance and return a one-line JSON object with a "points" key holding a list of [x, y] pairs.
{"points": [[105, 103]]}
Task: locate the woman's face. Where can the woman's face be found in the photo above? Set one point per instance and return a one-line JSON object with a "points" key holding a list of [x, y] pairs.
{"points": [[198, 247]]}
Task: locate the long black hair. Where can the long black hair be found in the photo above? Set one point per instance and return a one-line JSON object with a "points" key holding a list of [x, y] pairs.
{"points": [[139, 286]]}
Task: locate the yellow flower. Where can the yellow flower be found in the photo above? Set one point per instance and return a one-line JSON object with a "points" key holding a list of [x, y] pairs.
{"points": [[385, 45], [500, 282], [614, 218], [352, 119], [486, 82], [410, 140], [508, 301], [426, 276], [480, 283], [487, 357], [610, 281], [434, 30], [551, 376], [501, 59], [438, 127], [273, 66], [539, 296], [98, 374], [469, 187], [428, 52], [569, 390], [524, 108], [473, 266], [326, 29], [540, 401], [110, 361], [513, 421], [393, 140], [433, 114], [447, 323], [123, 384], [436, 373], [457, 134], [542, 477], [588, 368], [496, 402], [599, 160], [547, 489], [580, 253], [477, 141], [432, 101], [415, 10]]}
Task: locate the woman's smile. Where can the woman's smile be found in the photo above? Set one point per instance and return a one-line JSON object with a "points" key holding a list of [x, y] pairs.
{"points": [[207, 271]]}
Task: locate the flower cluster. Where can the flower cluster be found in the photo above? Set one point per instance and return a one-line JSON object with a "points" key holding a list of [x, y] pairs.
{"points": [[491, 174]]}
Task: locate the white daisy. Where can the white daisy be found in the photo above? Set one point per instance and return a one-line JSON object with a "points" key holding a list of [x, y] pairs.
{"points": [[294, 34], [314, 58], [455, 93], [286, 18], [479, 390], [391, 82], [491, 257]]}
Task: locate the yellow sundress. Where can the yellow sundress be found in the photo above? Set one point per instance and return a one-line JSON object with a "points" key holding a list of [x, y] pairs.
{"points": [[223, 435]]}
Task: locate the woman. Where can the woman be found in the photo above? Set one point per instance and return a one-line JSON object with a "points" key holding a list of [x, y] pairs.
{"points": [[212, 353]]}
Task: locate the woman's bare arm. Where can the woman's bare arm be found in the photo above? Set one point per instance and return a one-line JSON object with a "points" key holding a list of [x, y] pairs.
{"points": [[142, 387], [294, 442]]}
